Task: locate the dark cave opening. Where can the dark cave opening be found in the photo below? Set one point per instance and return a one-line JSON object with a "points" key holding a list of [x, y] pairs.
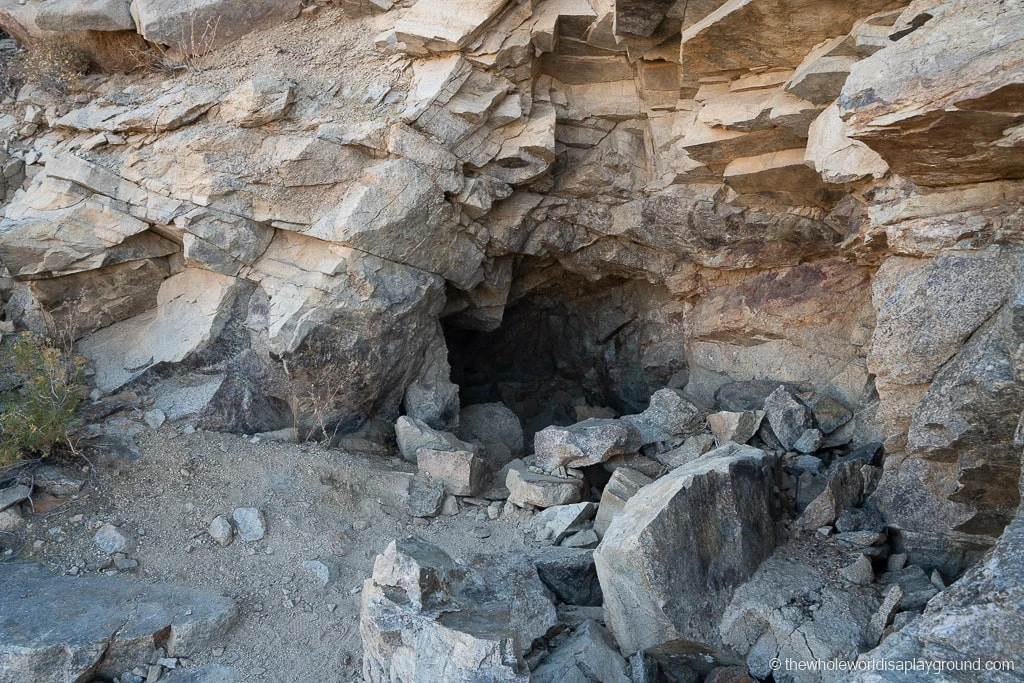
{"points": [[566, 348]]}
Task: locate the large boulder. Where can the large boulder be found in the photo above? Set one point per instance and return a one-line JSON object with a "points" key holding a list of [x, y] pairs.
{"points": [[669, 562], [590, 442], [202, 26], [57, 628], [483, 616], [791, 611]]}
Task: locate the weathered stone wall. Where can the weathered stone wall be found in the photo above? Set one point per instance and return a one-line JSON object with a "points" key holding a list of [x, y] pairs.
{"points": [[819, 192]]}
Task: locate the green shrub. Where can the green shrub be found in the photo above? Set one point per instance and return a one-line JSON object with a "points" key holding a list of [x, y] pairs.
{"points": [[42, 387], [55, 67]]}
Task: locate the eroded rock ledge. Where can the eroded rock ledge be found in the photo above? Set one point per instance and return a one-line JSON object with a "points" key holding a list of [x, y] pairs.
{"points": [[559, 204]]}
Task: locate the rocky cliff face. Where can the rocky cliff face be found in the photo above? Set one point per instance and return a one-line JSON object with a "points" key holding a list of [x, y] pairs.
{"points": [[553, 203]]}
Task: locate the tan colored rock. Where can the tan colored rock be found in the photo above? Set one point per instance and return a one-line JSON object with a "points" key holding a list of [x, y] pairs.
{"points": [[744, 110], [836, 156], [958, 102], [435, 26], [86, 15], [192, 309], [820, 77], [783, 171], [461, 472], [541, 490], [736, 427], [785, 32], [399, 214], [96, 231], [257, 101], [204, 25], [169, 111]]}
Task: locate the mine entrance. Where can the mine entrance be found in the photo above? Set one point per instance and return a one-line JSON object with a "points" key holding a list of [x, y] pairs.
{"points": [[563, 349]]}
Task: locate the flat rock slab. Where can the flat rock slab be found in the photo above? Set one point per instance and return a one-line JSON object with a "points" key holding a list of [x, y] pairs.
{"points": [[57, 629]]}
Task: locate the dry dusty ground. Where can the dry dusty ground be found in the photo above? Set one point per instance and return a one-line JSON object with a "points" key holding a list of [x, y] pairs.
{"points": [[291, 628]]}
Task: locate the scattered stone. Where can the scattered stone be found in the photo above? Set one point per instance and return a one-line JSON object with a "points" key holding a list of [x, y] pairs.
{"points": [[425, 497], [257, 101], [693, 448], [809, 441], [829, 414], [860, 572], [542, 490], [124, 564], [111, 540], [586, 443], [54, 481], [883, 617], [561, 520], [667, 416], [450, 506], [937, 580], [323, 572], [220, 531], [789, 418], [582, 539], [896, 562], [250, 524], [706, 523], [461, 472], [842, 490], [623, 484], [78, 628], [481, 532], [413, 434], [11, 520], [792, 610], [737, 427], [360, 525], [917, 587], [589, 654], [155, 418], [12, 495]]}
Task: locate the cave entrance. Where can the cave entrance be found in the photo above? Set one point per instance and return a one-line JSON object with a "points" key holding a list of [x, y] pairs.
{"points": [[566, 346]]}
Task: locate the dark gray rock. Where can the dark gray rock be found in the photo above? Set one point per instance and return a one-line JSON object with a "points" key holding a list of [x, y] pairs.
{"points": [[859, 519], [789, 418], [917, 587], [497, 428], [750, 394], [588, 655], [708, 523], [843, 489], [57, 629], [425, 497], [483, 616], [570, 574]]}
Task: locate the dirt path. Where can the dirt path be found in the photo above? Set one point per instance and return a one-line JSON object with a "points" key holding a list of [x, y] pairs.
{"points": [[316, 503]]}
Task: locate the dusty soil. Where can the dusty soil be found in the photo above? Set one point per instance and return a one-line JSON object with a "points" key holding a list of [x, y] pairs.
{"points": [[291, 628]]}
